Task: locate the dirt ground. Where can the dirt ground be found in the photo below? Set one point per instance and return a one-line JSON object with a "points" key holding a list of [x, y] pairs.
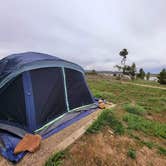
{"points": [[55, 143], [105, 149]]}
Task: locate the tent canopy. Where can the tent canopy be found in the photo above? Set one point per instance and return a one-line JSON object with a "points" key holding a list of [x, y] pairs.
{"points": [[38, 89], [13, 65]]}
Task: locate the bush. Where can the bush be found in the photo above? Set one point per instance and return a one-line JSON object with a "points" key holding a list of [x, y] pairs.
{"points": [[141, 74]]}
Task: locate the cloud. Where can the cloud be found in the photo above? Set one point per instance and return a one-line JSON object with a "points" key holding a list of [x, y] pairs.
{"points": [[90, 33]]}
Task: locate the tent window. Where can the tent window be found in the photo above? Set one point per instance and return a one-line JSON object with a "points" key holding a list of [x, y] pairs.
{"points": [[49, 95], [12, 103], [77, 90]]}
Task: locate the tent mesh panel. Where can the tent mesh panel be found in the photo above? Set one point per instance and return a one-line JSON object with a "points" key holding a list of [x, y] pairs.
{"points": [[12, 104], [49, 94], [77, 90]]}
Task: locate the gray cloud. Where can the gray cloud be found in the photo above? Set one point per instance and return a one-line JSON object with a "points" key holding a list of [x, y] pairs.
{"points": [[90, 33]]}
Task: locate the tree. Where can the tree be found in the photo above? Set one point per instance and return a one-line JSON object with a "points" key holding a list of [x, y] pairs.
{"points": [[141, 74], [118, 67], [130, 70], [162, 77], [123, 53], [148, 76], [126, 69], [94, 71], [133, 70]]}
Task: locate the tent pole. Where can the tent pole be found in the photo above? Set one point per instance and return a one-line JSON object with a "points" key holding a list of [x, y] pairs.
{"points": [[66, 95], [29, 101]]}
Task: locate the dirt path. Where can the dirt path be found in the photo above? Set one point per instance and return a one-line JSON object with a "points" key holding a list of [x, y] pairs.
{"points": [[56, 142], [144, 85]]}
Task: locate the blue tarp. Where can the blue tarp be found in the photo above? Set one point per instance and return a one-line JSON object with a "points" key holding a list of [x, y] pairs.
{"points": [[10, 141]]}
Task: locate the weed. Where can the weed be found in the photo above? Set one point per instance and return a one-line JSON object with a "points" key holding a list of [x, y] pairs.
{"points": [[131, 153]]}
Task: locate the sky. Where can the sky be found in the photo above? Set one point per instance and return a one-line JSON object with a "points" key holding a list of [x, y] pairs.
{"points": [[88, 32]]}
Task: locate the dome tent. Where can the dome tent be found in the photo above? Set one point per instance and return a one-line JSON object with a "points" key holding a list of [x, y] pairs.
{"points": [[38, 89]]}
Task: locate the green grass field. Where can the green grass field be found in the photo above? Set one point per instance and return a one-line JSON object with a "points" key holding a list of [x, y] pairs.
{"points": [[140, 116]]}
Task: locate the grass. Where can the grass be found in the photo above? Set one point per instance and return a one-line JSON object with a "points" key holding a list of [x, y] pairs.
{"points": [[149, 144], [131, 153], [152, 100], [106, 118], [134, 109], [56, 159], [101, 121], [149, 127]]}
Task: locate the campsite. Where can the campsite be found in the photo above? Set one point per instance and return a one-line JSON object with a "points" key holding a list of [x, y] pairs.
{"points": [[82, 83], [131, 131]]}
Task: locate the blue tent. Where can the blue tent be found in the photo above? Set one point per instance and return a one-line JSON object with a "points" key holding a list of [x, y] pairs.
{"points": [[39, 92]]}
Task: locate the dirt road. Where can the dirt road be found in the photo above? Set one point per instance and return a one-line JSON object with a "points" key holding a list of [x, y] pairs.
{"points": [[144, 85]]}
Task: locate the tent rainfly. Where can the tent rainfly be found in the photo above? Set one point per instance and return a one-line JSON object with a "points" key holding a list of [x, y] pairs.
{"points": [[37, 90]]}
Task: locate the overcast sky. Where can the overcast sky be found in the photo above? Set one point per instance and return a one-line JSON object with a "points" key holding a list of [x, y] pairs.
{"points": [[88, 32]]}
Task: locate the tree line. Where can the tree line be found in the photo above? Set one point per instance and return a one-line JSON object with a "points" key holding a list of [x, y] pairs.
{"points": [[131, 70]]}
